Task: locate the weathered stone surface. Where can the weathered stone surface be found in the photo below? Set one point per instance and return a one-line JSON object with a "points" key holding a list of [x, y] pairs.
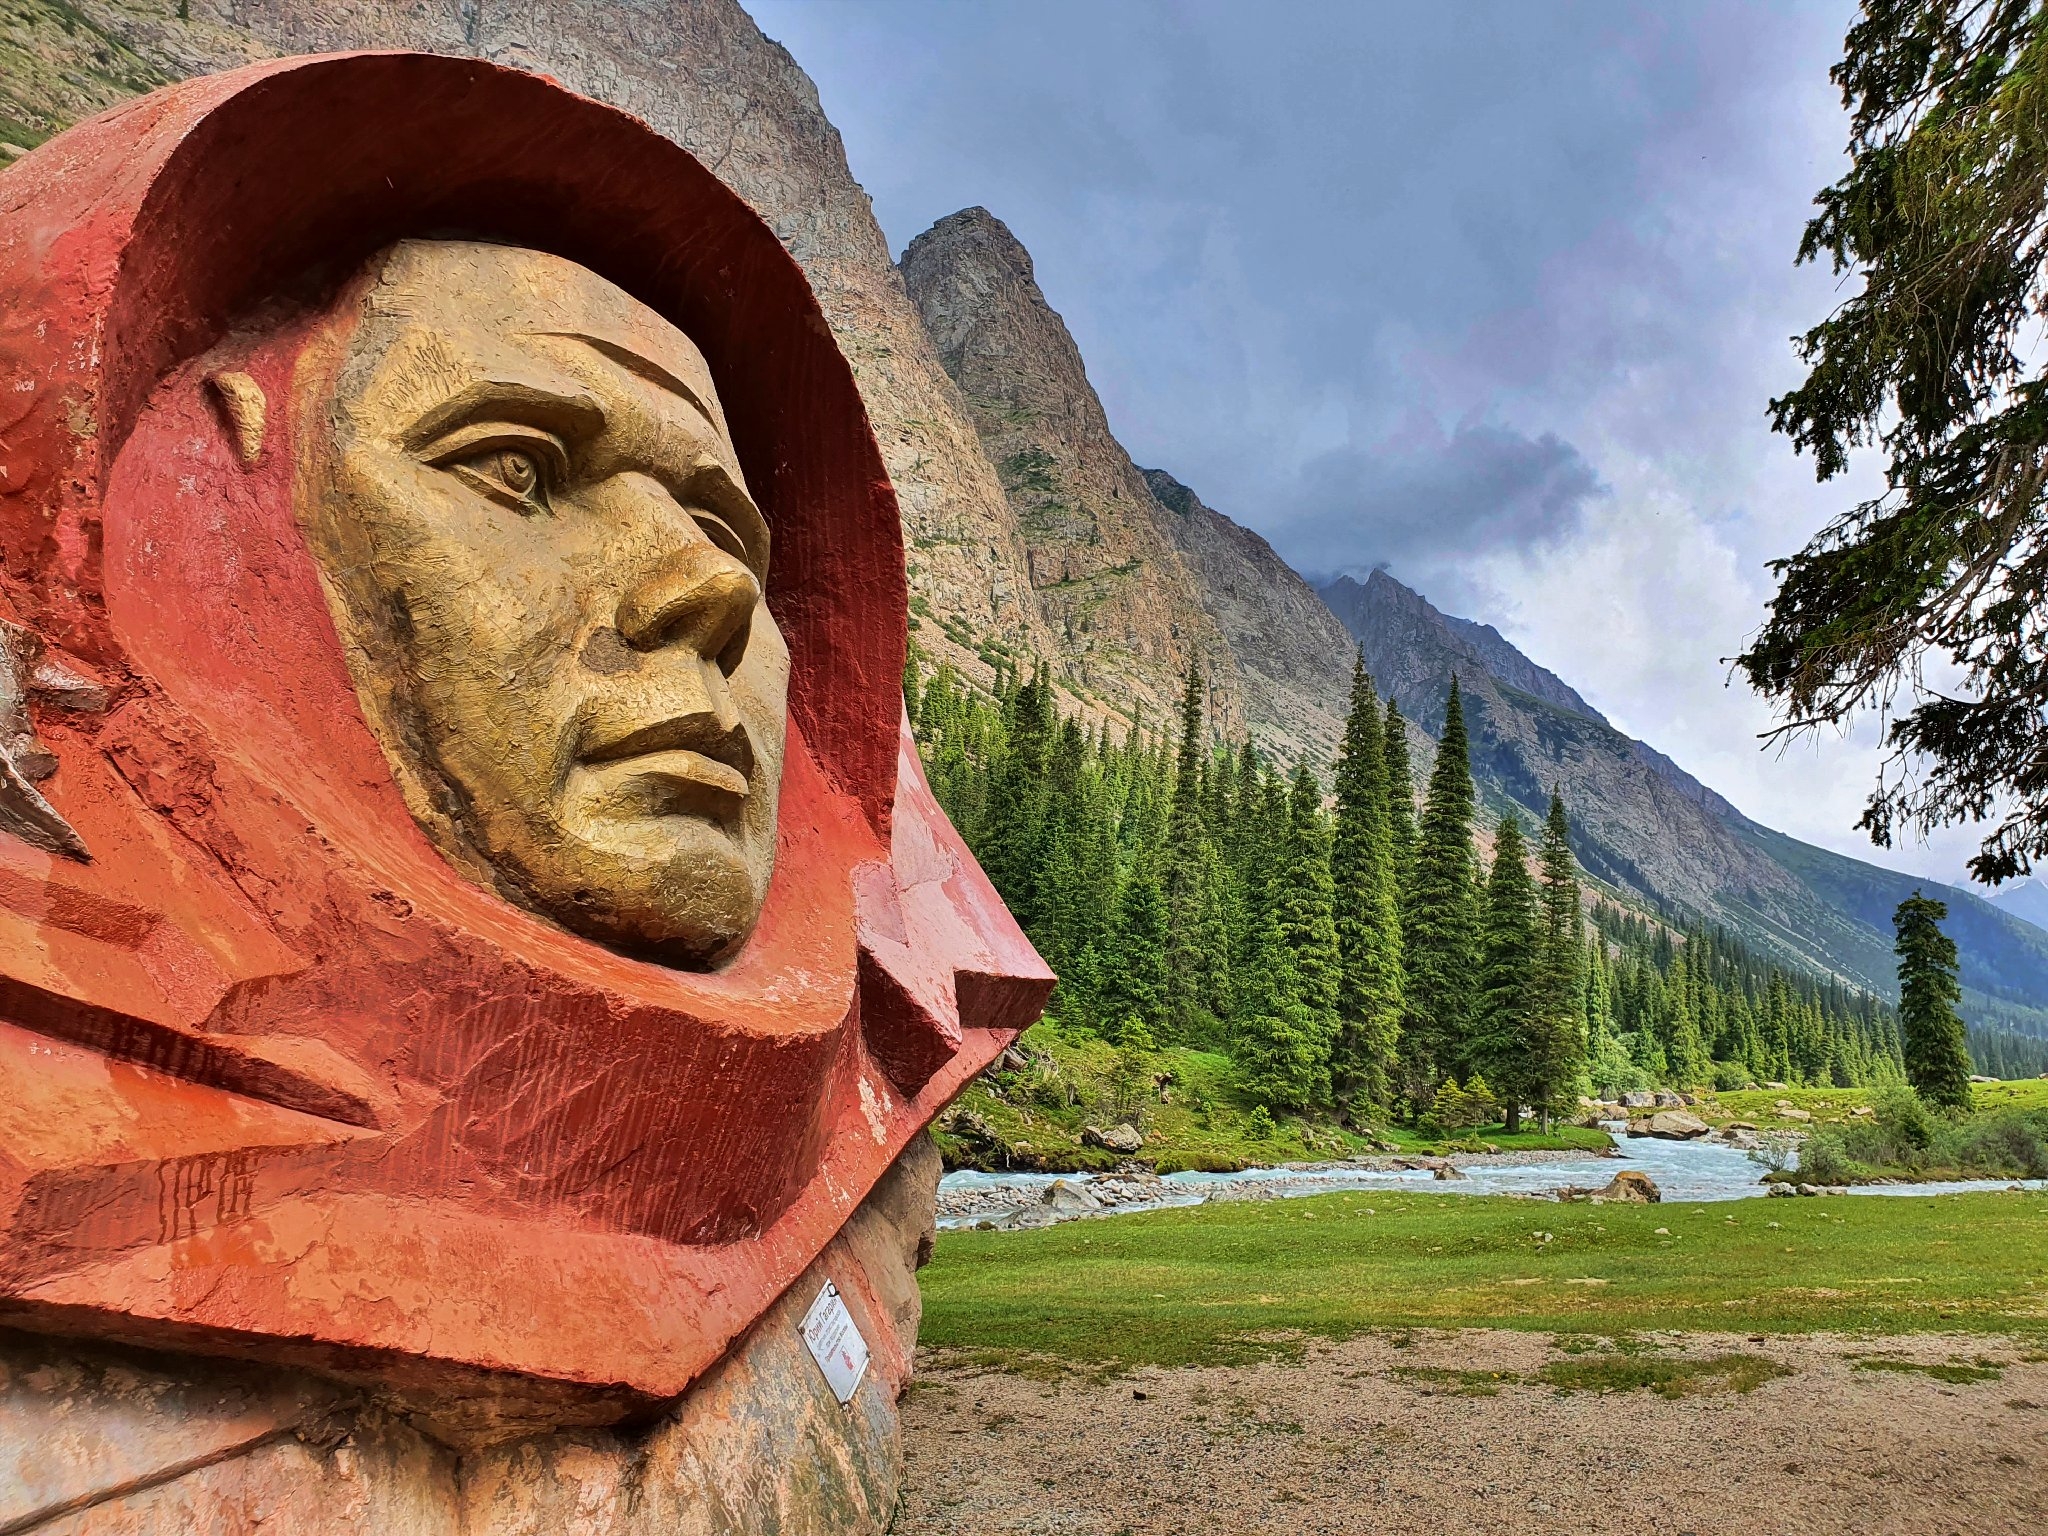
{"points": [[1126, 1139], [1068, 1199], [97, 1441], [80, 1426], [1676, 1125], [1293, 654], [1629, 1187], [1119, 598]]}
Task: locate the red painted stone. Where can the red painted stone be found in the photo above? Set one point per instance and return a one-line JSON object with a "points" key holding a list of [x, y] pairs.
{"points": [[274, 1079]]}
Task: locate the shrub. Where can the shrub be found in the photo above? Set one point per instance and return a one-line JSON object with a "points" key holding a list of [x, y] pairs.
{"points": [[1824, 1160], [1259, 1127], [1129, 1071], [1775, 1150], [1902, 1115], [2015, 1142], [1732, 1077], [1614, 1071], [1458, 1109]]}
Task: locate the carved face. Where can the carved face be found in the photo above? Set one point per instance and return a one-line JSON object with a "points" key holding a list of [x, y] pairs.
{"points": [[548, 574]]}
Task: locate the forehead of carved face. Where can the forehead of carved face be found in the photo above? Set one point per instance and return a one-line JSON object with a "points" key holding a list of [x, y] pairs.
{"points": [[548, 576]]}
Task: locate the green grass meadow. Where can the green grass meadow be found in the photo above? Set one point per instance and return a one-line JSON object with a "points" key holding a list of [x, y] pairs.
{"points": [[1223, 1283]]}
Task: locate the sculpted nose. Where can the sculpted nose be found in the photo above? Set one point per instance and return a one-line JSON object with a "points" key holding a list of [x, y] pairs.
{"points": [[703, 599]]}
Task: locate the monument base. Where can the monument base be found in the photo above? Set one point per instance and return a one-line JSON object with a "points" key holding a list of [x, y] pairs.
{"points": [[102, 1440]]}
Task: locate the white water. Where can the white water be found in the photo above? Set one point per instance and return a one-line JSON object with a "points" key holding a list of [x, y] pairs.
{"points": [[1684, 1171]]}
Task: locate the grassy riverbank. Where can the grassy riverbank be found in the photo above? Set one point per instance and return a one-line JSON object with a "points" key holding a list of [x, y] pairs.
{"points": [[1838, 1106], [1186, 1105], [1220, 1283]]}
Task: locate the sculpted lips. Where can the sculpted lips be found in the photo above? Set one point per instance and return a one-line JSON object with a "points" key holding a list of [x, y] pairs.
{"points": [[695, 748]]}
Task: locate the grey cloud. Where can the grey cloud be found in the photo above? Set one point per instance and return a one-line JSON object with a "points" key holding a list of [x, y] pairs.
{"points": [[1416, 506]]}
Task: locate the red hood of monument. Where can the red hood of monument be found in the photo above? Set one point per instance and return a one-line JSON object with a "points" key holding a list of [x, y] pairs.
{"points": [[272, 1070]]}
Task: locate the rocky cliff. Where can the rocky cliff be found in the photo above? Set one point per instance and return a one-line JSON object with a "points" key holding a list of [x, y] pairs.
{"points": [[1123, 608], [1293, 655]]}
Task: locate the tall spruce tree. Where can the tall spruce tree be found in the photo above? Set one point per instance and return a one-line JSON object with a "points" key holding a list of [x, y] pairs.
{"points": [[1400, 796], [1133, 984], [1561, 1032], [1283, 1041], [1363, 1061], [1503, 1046], [1936, 1048], [1438, 920], [1011, 841], [1281, 1054], [1307, 902], [1193, 964]]}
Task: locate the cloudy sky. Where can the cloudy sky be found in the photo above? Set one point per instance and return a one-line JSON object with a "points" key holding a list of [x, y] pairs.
{"points": [[1491, 294]]}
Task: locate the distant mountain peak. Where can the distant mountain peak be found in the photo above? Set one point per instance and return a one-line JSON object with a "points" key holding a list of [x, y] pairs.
{"points": [[2025, 899]]}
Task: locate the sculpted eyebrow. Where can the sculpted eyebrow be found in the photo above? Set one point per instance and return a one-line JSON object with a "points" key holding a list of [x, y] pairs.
{"points": [[640, 367], [519, 400]]}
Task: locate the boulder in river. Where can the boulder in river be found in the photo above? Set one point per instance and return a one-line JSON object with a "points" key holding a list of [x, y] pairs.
{"points": [[1118, 1138], [1448, 1170], [1628, 1187], [1067, 1199], [1675, 1125]]}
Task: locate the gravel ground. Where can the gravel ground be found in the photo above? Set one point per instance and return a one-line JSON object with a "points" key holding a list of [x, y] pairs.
{"points": [[1344, 1442]]}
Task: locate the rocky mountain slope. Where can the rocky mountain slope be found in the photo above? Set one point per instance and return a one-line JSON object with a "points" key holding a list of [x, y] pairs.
{"points": [[2026, 900], [1122, 606], [1136, 578], [1646, 826], [1293, 655]]}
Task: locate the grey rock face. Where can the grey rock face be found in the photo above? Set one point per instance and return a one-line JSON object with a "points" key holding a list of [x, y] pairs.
{"points": [[1293, 653], [1121, 603]]}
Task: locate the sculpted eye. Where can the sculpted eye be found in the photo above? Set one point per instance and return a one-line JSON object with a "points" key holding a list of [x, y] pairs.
{"points": [[516, 467], [516, 474]]}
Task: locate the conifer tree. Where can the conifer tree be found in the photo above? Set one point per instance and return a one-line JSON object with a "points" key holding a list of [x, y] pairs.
{"points": [[1283, 1041], [1936, 1049], [1011, 844], [1438, 919], [1281, 1052], [1195, 963], [1503, 1042], [1134, 964], [1306, 903], [1400, 780], [1368, 915], [1560, 1032]]}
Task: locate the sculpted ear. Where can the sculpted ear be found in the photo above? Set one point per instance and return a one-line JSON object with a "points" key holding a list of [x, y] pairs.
{"points": [[242, 401]]}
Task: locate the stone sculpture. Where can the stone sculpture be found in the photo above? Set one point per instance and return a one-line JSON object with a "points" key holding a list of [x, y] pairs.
{"points": [[477, 952]]}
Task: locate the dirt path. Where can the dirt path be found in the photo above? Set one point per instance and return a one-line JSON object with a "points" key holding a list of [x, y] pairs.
{"points": [[1363, 1438]]}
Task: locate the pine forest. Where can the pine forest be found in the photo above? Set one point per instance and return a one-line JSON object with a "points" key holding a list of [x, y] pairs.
{"points": [[1353, 950]]}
